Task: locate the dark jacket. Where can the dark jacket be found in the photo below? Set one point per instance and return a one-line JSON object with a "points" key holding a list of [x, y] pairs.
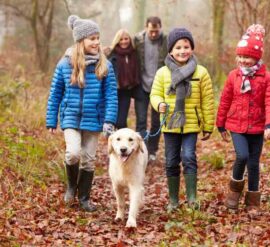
{"points": [[139, 41], [134, 80]]}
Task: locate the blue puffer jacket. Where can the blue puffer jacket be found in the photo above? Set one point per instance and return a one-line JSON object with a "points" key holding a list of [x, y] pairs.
{"points": [[82, 108]]}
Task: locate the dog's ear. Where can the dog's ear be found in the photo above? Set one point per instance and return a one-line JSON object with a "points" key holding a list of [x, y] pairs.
{"points": [[141, 142], [110, 147]]}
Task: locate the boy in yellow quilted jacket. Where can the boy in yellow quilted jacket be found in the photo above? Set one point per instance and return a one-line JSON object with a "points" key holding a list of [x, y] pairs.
{"points": [[184, 89]]}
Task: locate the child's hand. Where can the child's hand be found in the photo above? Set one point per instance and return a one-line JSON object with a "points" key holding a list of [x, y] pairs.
{"points": [[162, 107], [206, 136], [108, 129], [52, 131], [267, 134], [107, 50], [225, 136]]}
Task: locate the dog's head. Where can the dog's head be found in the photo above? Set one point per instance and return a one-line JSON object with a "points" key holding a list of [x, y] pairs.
{"points": [[124, 143]]}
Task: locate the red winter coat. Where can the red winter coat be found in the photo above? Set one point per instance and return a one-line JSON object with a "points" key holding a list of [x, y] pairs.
{"points": [[245, 112]]}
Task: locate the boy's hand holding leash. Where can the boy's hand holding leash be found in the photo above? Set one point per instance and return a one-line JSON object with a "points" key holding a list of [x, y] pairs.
{"points": [[162, 107]]}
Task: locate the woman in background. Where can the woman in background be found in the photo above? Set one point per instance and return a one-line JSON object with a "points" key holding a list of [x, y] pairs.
{"points": [[123, 57]]}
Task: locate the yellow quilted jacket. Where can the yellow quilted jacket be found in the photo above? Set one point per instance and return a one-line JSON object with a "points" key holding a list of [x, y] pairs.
{"points": [[199, 107]]}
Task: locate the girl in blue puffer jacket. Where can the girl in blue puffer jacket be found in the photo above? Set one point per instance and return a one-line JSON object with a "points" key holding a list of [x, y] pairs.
{"points": [[85, 90]]}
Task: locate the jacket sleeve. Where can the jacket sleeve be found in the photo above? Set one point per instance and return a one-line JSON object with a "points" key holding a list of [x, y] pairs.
{"points": [[225, 103], [55, 97], [157, 91], [267, 102], [111, 99], [207, 103]]}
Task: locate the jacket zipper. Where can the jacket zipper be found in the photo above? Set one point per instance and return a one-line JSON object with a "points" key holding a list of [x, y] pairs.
{"points": [[81, 105]]}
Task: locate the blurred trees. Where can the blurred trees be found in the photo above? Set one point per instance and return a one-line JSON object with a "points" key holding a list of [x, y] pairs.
{"points": [[218, 9], [215, 25], [230, 20], [247, 12], [140, 6], [39, 14]]}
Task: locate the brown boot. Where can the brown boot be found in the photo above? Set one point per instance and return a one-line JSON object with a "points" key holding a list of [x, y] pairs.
{"points": [[252, 199], [235, 191]]}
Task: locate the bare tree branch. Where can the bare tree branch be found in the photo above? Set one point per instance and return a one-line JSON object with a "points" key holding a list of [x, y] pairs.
{"points": [[67, 7], [17, 11]]}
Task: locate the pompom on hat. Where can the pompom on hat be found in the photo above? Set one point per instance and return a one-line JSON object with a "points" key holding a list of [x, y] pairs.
{"points": [[179, 33], [251, 43], [81, 28]]}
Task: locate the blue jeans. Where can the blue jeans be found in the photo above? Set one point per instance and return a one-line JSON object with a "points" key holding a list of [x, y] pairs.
{"points": [[141, 108], [180, 147], [248, 150]]}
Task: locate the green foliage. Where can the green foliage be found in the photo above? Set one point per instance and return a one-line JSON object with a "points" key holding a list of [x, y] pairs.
{"points": [[10, 212], [186, 223], [23, 154], [99, 171], [82, 221], [216, 160], [22, 148], [9, 91], [58, 169]]}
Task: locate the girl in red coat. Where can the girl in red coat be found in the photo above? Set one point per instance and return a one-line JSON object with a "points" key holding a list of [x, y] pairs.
{"points": [[244, 110]]}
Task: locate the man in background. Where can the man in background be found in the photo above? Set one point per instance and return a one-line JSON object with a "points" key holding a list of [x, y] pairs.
{"points": [[151, 48]]}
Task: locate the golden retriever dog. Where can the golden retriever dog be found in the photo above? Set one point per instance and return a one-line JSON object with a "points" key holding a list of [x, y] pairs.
{"points": [[128, 160]]}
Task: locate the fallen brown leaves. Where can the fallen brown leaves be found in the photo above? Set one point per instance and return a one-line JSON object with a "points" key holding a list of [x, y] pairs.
{"points": [[36, 216]]}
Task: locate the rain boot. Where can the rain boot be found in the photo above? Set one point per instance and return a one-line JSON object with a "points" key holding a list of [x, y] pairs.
{"points": [[85, 180], [72, 177], [173, 185], [252, 200], [235, 190], [191, 190]]}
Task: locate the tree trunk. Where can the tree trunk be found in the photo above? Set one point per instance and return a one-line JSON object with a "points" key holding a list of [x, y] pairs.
{"points": [[39, 14], [218, 26], [139, 22], [41, 23]]}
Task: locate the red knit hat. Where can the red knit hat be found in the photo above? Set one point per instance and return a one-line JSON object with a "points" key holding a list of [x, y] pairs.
{"points": [[251, 43]]}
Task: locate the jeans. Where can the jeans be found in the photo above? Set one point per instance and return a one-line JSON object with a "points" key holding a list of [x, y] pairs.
{"points": [[124, 98], [180, 147], [248, 150], [81, 146], [141, 108]]}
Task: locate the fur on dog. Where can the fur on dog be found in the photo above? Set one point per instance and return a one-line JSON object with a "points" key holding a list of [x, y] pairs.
{"points": [[128, 160]]}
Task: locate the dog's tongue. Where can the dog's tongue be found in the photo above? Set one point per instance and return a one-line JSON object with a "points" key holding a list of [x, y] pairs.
{"points": [[124, 158]]}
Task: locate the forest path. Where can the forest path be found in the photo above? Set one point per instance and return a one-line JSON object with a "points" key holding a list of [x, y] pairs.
{"points": [[38, 216]]}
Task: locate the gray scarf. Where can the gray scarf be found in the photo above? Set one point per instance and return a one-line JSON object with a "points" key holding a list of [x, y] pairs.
{"points": [[181, 86], [89, 59]]}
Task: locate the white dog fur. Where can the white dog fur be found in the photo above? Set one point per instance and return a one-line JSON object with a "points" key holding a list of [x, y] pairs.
{"points": [[128, 160]]}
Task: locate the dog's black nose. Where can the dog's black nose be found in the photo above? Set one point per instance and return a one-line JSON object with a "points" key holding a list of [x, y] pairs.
{"points": [[123, 150]]}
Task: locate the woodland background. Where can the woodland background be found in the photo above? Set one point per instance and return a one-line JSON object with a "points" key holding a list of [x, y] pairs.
{"points": [[33, 37]]}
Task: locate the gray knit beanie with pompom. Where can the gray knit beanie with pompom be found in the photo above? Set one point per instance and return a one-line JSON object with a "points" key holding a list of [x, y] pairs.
{"points": [[82, 28]]}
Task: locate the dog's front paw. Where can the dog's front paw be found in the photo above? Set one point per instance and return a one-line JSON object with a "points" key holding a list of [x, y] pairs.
{"points": [[131, 223], [117, 219], [119, 216]]}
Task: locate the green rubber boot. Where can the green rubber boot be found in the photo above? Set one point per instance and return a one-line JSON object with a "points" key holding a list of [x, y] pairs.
{"points": [[173, 185], [191, 190]]}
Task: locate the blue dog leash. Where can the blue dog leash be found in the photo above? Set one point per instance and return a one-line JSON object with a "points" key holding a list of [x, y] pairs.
{"points": [[148, 135]]}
